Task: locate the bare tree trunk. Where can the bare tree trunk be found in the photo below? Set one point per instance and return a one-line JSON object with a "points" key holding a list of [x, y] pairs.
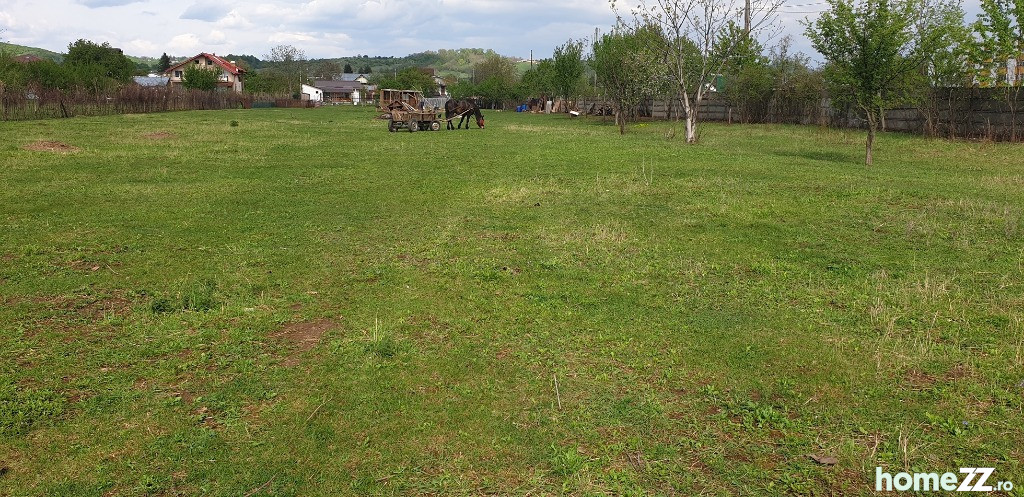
{"points": [[872, 123], [691, 119]]}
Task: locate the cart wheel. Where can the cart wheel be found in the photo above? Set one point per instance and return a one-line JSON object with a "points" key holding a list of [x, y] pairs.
{"points": [[414, 126], [435, 126], [391, 126]]}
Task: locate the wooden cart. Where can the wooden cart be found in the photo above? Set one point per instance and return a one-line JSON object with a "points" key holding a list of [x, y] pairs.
{"points": [[406, 116]]}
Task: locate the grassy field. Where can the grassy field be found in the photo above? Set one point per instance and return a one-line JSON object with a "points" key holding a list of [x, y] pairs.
{"points": [[305, 304]]}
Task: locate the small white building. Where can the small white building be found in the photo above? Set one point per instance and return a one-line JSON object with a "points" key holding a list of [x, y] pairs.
{"points": [[312, 93]]}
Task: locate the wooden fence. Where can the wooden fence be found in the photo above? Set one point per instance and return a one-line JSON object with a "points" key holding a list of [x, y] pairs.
{"points": [[972, 113], [16, 105]]}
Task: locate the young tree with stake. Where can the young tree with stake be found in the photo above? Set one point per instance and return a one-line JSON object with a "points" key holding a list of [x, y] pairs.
{"points": [[692, 49], [874, 54]]}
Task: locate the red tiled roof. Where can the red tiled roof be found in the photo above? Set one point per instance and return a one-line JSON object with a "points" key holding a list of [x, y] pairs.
{"points": [[224, 64]]}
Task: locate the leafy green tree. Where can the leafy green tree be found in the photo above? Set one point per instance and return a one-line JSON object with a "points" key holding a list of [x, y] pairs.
{"points": [[539, 81], [98, 65], [325, 69], [196, 77], [747, 78], [1000, 38], [494, 92], [692, 52], [797, 89], [495, 66], [873, 54], [408, 79], [164, 63], [289, 65], [626, 62], [348, 68], [40, 74], [462, 89], [947, 64], [567, 77], [367, 70]]}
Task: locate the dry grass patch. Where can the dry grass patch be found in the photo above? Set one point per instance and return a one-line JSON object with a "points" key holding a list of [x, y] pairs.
{"points": [[51, 146], [302, 337]]}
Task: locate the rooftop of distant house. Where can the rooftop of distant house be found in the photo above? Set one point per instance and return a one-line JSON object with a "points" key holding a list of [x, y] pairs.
{"points": [[227, 65], [26, 58]]}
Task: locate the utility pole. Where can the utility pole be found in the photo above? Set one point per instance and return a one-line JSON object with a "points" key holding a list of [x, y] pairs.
{"points": [[746, 18], [531, 60]]}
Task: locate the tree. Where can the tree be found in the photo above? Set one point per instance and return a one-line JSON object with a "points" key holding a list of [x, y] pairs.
{"points": [[495, 66], [538, 82], [462, 90], [568, 68], [367, 70], [873, 54], [946, 65], [348, 68], [797, 89], [494, 92], [627, 63], [164, 63], [325, 69], [408, 79], [692, 32], [290, 64], [197, 77], [747, 79], [96, 65], [1000, 40]]}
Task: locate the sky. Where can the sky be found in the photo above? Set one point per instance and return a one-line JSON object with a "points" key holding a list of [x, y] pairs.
{"points": [[331, 28]]}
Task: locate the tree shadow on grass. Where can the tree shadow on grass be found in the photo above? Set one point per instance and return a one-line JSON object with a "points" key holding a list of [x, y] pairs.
{"points": [[835, 156]]}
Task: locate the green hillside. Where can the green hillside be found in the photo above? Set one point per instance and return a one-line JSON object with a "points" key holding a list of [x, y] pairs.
{"points": [[39, 52], [457, 63]]}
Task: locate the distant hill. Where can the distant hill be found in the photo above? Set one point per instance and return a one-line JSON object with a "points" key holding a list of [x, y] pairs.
{"points": [[59, 57], [456, 63], [38, 52]]}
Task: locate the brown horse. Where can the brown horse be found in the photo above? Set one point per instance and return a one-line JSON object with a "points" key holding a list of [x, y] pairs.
{"points": [[462, 109]]}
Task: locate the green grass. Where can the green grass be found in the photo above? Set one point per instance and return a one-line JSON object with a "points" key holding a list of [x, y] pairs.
{"points": [[306, 304]]}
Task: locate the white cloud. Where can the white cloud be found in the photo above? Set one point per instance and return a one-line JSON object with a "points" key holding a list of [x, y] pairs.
{"points": [[106, 3], [215, 38], [235, 20], [140, 46], [184, 44]]}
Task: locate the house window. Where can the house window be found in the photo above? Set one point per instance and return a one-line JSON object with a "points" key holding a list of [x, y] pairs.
{"points": [[177, 74], [197, 62], [209, 62]]}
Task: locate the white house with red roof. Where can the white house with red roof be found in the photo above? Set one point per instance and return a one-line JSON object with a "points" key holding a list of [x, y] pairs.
{"points": [[231, 76]]}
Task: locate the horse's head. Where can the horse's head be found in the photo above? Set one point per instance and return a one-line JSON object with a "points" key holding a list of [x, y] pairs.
{"points": [[480, 120]]}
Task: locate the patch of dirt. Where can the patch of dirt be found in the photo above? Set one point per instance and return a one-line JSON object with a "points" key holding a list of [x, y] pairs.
{"points": [[738, 456], [159, 135], [206, 418], [302, 337], [959, 372], [76, 315], [919, 380], [51, 146]]}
